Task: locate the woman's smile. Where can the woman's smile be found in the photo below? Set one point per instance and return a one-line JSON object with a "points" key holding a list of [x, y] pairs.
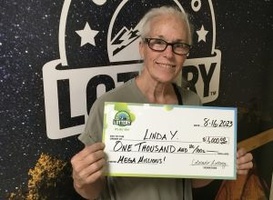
{"points": [[163, 65]]}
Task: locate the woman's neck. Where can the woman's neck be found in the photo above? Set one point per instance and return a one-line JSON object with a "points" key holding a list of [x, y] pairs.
{"points": [[155, 91]]}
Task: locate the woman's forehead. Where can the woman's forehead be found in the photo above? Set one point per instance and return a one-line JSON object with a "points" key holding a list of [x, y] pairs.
{"points": [[167, 25]]}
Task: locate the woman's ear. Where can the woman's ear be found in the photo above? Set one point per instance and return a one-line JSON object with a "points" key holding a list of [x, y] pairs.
{"points": [[141, 49]]}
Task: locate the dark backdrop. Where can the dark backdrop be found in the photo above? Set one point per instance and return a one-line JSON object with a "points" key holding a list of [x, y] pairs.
{"points": [[29, 39]]}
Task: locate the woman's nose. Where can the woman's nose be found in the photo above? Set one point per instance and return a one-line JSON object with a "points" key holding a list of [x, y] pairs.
{"points": [[169, 51]]}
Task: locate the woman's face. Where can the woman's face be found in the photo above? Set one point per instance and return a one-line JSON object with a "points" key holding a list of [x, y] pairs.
{"points": [[164, 66]]}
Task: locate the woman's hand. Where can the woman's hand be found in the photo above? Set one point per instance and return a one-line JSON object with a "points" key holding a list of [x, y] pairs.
{"points": [[244, 161], [88, 170]]}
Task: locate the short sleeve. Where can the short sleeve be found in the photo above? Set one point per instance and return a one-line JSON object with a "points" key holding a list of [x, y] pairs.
{"points": [[94, 125]]}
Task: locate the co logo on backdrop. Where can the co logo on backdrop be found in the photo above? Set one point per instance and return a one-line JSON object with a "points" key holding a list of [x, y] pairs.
{"points": [[98, 46]]}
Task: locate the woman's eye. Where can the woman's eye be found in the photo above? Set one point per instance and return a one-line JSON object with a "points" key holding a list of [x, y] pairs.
{"points": [[179, 45], [159, 42]]}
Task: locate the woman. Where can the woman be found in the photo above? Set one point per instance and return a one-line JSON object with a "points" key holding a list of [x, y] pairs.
{"points": [[166, 39]]}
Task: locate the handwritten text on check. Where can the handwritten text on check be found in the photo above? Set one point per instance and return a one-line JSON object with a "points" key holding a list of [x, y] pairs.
{"points": [[148, 140]]}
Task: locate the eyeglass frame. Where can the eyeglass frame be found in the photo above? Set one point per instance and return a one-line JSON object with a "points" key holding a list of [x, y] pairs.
{"points": [[148, 41]]}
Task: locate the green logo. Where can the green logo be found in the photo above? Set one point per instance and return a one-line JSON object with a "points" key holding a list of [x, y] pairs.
{"points": [[122, 118]]}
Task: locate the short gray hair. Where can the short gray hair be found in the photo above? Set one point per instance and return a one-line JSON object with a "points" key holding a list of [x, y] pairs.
{"points": [[164, 10]]}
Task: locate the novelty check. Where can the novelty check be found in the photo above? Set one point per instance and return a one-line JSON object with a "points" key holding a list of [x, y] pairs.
{"points": [[151, 140]]}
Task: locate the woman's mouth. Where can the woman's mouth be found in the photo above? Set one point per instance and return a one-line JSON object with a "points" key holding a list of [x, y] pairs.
{"points": [[165, 65]]}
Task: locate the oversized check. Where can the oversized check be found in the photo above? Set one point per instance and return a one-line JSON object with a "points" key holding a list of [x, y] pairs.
{"points": [[151, 140]]}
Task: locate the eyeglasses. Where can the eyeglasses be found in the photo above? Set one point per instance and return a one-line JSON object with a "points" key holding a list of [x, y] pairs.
{"points": [[160, 45]]}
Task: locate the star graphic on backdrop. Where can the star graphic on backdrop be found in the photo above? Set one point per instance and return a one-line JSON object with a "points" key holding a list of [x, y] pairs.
{"points": [[87, 35], [202, 34]]}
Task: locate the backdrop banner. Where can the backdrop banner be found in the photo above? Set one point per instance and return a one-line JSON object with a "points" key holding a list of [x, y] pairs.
{"points": [[58, 57]]}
